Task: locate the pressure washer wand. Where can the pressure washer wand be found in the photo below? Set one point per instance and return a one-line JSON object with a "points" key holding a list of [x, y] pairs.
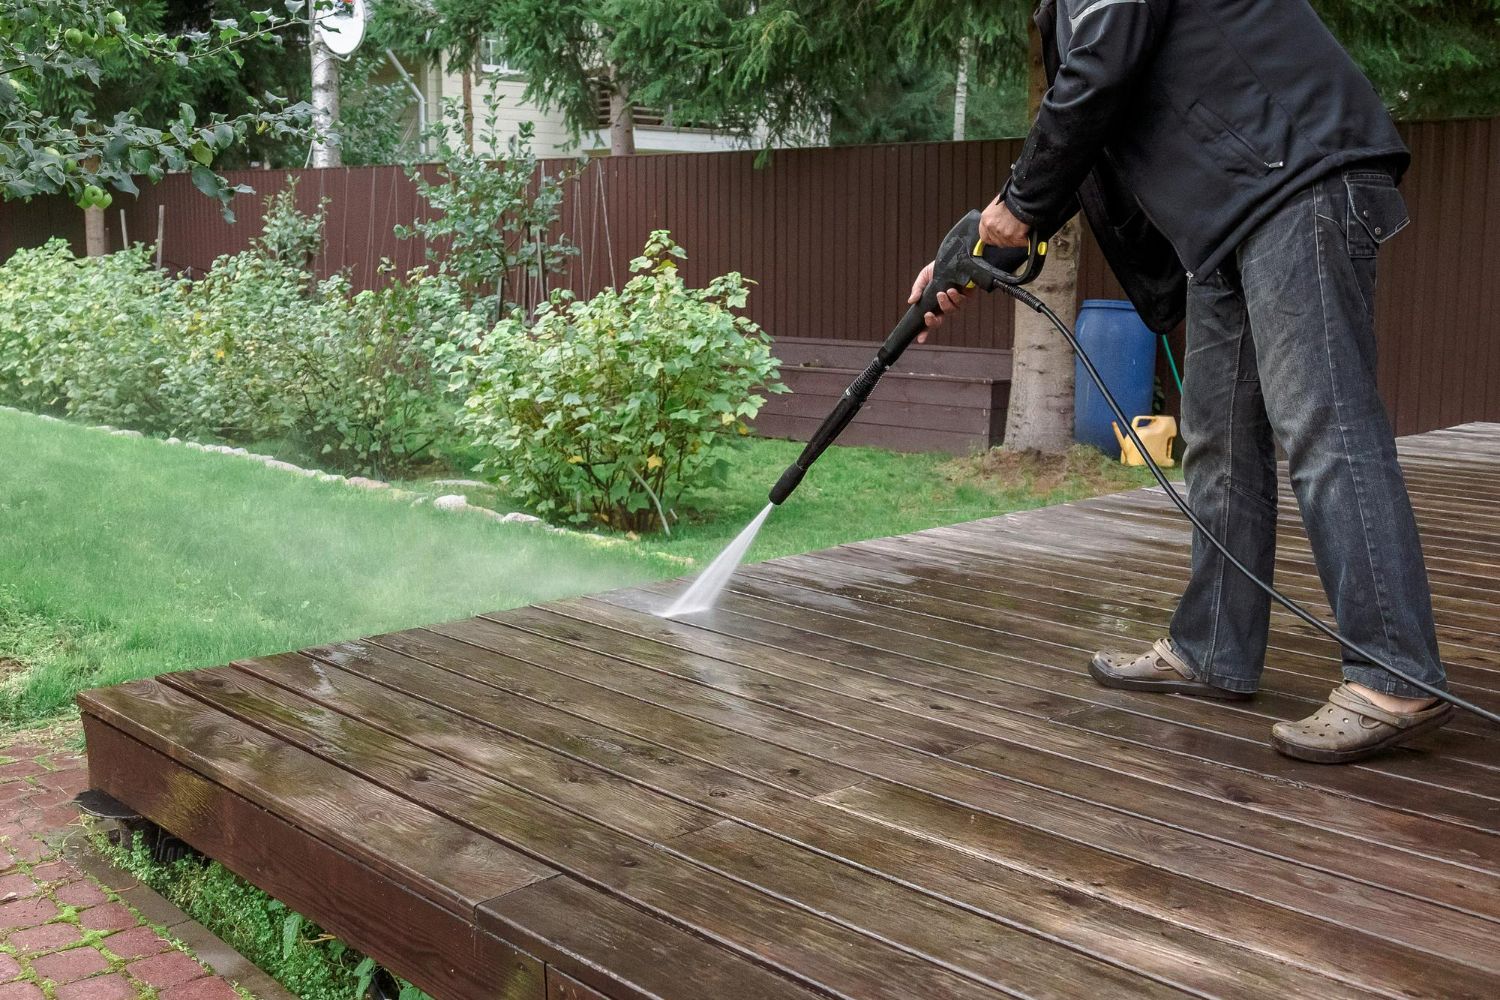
{"points": [[963, 261]]}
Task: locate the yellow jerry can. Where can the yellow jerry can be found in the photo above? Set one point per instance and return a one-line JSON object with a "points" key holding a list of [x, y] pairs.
{"points": [[1156, 433]]}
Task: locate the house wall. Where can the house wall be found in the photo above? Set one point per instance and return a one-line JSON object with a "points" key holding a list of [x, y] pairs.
{"points": [[551, 131]]}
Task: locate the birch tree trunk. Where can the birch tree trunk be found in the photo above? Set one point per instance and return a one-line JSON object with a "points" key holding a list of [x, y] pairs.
{"points": [[325, 103], [1040, 415], [961, 90]]}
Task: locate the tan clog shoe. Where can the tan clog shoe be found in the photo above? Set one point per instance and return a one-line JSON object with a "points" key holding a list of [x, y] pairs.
{"points": [[1351, 728]]}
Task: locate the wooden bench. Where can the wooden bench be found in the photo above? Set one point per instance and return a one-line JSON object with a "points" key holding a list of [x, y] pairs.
{"points": [[938, 398]]}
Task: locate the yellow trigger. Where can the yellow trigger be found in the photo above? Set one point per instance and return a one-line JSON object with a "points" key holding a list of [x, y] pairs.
{"points": [[969, 286], [1041, 249], [978, 249]]}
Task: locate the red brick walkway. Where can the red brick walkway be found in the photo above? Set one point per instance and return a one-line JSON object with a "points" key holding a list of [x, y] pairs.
{"points": [[62, 936]]}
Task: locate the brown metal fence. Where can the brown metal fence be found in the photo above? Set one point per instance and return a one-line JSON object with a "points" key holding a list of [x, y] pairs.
{"points": [[833, 237]]}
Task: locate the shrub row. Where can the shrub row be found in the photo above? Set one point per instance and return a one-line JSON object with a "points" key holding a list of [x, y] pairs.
{"points": [[255, 350], [598, 411]]}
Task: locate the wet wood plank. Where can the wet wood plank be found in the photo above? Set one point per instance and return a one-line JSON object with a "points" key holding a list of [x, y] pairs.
{"points": [[595, 945], [800, 940], [894, 754], [411, 934], [1092, 925], [877, 771]]}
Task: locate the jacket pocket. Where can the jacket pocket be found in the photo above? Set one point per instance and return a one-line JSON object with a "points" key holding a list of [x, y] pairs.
{"points": [[1237, 152], [1376, 211]]}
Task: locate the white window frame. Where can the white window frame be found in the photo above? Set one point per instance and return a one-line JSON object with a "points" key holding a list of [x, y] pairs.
{"points": [[487, 47]]}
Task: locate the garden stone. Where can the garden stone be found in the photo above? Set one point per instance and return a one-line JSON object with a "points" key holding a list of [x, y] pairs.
{"points": [[453, 501], [516, 517], [174, 440], [329, 477], [126, 434], [275, 463], [368, 484], [472, 484]]}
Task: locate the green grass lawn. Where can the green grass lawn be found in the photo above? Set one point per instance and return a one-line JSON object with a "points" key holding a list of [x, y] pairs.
{"points": [[122, 558]]}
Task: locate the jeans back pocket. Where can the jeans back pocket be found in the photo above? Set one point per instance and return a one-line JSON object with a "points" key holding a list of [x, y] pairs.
{"points": [[1376, 211]]}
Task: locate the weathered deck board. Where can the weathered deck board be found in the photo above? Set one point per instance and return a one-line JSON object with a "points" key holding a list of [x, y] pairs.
{"points": [[877, 771]]}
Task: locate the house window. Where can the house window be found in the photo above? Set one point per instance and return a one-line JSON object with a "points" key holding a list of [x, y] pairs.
{"points": [[491, 59]]}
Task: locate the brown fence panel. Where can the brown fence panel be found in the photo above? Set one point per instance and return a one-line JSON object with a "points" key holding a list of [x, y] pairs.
{"points": [[832, 238]]}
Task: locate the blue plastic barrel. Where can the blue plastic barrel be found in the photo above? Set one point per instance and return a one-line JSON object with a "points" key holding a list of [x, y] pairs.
{"points": [[1124, 350]]}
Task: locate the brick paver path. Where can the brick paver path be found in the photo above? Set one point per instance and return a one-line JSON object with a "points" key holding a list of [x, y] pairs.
{"points": [[62, 936]]}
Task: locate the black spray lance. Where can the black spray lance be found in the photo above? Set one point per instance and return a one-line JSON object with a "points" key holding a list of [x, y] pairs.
{"points": [[963, 262]]}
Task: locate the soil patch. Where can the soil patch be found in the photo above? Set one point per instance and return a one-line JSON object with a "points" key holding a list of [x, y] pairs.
{"points": [[1080, 469]]}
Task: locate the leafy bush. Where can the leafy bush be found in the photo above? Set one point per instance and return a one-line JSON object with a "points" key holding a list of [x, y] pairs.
{"points": [[86, 336], [248, 325], [257, 349], [350, 377], [606, 410], [492, 216], [287, 233], [373, 399]]}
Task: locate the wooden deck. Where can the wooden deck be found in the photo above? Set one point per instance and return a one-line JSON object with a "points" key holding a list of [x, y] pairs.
{"points": [[878, 771]]}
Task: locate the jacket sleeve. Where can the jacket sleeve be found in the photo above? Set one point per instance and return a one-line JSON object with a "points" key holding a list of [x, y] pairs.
{"points": [[1093, 90]]}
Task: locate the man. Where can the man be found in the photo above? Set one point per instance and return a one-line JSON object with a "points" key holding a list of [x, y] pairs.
{"points": [[1236, 166]]}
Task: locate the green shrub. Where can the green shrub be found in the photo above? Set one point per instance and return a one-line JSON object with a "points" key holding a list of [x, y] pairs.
{"points": [[491, 217], [374, 400], [289, 234], [86, 336], [237, 370], [32, 284], [349, 377], [255, 350], [606, 410]]}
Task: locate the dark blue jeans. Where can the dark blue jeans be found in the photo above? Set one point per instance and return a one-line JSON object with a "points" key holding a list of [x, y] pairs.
{"points": [[1281, 349]]}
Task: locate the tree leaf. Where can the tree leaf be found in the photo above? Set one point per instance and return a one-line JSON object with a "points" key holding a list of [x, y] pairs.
{"points": [[206, 181]]}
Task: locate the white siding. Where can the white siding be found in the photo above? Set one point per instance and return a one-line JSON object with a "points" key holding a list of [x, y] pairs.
{"points": [[551, 132]]}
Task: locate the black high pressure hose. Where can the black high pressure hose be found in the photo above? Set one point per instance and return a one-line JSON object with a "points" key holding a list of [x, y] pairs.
{"points": [[1031, 301], [964, 262]]}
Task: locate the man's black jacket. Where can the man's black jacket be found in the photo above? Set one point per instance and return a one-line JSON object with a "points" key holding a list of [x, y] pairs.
{"points": [[1181, 125]]}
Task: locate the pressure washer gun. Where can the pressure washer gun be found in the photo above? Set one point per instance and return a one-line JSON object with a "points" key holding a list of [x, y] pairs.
{"points": [[963, 261]]}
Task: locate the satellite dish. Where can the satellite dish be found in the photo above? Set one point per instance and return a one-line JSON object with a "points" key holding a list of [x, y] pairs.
{"points": [[342, 27]]}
